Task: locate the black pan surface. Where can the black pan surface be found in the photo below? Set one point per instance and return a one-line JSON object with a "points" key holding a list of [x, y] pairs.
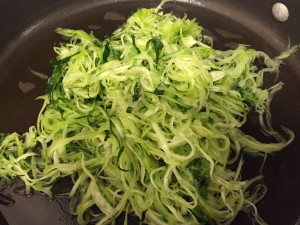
{"points": [[27, 38]]}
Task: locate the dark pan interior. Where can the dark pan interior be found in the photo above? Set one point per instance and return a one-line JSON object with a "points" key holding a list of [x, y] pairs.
{"points": [[27, 39]]}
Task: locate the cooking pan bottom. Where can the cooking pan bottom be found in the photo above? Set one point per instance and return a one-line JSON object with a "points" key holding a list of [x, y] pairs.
{"points": [[32, 46]]}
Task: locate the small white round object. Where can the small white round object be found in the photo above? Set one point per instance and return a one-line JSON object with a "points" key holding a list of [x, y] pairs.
{"points": [[280, 12]]}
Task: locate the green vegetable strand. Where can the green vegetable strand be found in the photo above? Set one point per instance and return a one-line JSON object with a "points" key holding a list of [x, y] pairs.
{"points": [[147, 122]]}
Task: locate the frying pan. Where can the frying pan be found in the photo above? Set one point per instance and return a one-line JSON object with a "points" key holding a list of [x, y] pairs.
{"points": [[27, 38]]}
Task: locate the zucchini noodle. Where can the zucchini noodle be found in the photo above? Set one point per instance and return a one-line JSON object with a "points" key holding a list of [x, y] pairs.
{"points": [[147, 122]]}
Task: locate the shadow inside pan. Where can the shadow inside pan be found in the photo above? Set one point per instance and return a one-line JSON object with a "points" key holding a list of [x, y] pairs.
{"points": [[32, 47]]}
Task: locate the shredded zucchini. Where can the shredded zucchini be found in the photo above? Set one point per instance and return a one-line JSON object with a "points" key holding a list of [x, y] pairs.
{"points": [[147, 122]]}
